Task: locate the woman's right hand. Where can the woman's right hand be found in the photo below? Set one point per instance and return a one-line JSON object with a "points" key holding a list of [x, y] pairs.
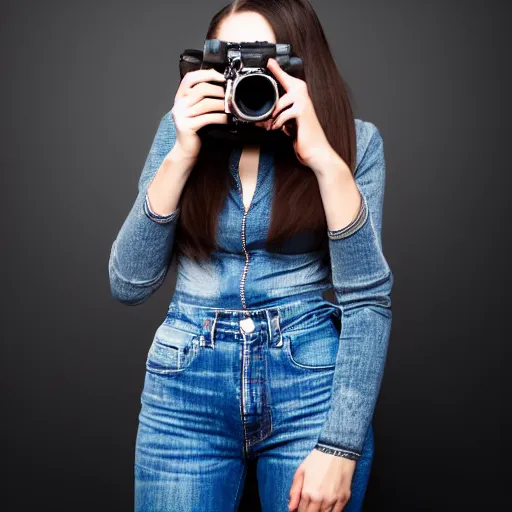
{"points": [[193, 110]]}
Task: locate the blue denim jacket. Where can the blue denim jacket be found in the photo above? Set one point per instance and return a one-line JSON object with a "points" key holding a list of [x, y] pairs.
{"points": [[243, 274]]}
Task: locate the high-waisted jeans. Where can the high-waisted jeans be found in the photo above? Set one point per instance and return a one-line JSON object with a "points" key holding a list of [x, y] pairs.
{"points": [[225, 386]]}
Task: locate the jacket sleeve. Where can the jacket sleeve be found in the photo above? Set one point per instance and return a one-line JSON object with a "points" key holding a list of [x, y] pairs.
{"points": [[142, 250], [362, 282]]}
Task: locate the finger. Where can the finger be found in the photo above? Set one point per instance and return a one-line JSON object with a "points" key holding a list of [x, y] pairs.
{"points": [[200, 121], [304, 504], [287, 130], [338, 507], [194, 97], [315, 506], [206, 105], [284, 116], [264, 124], [296, 489], [203, 89], [267, 123], [328, 507], [199, 75], [284, 78], [284, 101]]}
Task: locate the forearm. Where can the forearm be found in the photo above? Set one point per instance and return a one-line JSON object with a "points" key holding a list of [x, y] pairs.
{"points": [[144, 245], [340, 194], [362, 282], [364, 297], [140, 255], [143, 248], [165, 189]]}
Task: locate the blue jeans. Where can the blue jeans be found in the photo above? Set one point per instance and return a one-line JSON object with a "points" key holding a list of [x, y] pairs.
{"points": [[226, 386]]}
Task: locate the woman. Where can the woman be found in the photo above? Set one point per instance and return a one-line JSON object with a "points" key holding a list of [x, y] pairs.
{"points": [[251, 362]]}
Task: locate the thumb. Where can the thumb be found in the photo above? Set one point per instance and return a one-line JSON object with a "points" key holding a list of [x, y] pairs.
{"points": [[296, 489]]}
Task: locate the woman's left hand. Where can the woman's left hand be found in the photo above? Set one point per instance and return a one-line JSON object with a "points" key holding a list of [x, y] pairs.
{"points": [[321, 483], [310, 142]]}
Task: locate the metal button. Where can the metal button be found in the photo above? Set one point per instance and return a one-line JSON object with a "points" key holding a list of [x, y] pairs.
{"points": [[247, 324]]}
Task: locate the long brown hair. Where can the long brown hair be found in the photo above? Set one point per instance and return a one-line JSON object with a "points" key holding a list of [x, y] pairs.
{"points": [[297, 203]]}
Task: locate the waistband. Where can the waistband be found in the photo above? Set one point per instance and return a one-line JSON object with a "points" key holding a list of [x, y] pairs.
{"points": [[210, 323]]}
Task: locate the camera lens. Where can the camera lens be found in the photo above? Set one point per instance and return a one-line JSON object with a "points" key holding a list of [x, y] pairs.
{"points": [[254, 96]]}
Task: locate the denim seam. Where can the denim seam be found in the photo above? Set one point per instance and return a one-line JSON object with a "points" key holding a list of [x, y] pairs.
{"points": [[327, 445], [288, 351], [339, 452]]}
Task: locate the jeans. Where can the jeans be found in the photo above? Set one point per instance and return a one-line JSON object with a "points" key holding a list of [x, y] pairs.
{"points": [[225, 386]]}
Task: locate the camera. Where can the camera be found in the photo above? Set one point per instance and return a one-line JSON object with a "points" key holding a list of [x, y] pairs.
{"points": [[251, 90]]}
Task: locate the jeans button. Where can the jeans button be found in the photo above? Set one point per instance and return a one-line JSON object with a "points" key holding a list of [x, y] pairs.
{"points": [[247, 325]]}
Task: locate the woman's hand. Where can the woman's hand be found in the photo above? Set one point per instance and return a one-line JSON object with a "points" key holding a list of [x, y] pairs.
{"points": [[193, 110], [310, 142], [321, 483]]}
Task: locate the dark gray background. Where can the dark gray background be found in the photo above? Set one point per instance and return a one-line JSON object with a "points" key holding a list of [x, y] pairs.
{"points": [[84, 87]]}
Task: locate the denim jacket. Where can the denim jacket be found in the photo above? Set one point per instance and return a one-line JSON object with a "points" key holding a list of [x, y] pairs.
{"points": [[242, 274]]}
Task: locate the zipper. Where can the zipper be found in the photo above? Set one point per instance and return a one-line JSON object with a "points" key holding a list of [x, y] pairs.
{"points": [[246, 266], [242, 392], [244, 305], [244, 246]]}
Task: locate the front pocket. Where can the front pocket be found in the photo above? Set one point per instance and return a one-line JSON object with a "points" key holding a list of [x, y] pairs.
{"points": [[172, 350], [313, 348]]}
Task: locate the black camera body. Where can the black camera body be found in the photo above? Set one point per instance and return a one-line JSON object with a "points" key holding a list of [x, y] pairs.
{"points": [[251, 90]]}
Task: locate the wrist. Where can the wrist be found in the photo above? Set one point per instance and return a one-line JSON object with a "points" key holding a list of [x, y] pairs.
{"points": [[328, 163], [181, 157]]}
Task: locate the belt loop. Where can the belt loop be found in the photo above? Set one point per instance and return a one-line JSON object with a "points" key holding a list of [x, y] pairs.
{"points": [[267, 313], [278, 322], [274, 326], [212, 331]]}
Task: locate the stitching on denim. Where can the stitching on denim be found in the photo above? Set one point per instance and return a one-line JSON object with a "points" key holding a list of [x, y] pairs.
{"points": [[246, 310], [170, 371], [338, 453], [288, 350], [336, 448]]}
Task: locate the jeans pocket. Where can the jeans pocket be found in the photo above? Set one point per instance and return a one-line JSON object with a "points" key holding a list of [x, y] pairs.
{"points": [[314, 347], [172, 350]]}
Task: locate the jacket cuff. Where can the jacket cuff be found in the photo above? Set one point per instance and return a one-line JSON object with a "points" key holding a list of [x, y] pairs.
{"points": [[354, 226], [338, 451], [161, 219]]}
